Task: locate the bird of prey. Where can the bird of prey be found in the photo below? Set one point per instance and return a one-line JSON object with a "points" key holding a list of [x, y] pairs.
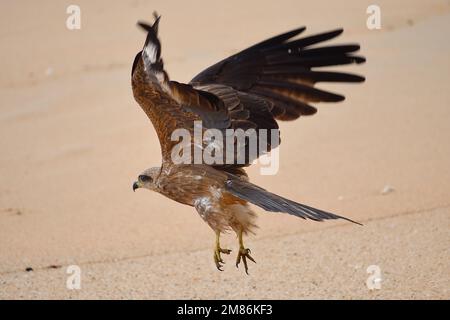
{"points": [[269, 81]]}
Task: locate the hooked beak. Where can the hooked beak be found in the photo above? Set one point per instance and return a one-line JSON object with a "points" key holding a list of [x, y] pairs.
{"points": [[135, 186]]}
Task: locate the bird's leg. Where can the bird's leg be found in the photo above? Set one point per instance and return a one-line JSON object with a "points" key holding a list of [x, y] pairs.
{"points": [[243, 253], [217, 251]]}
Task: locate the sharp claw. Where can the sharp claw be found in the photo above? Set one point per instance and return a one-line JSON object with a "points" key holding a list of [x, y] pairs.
{"points": [[244, 259], [251, 259], [218, 264], [218, 259], [243, 255]]}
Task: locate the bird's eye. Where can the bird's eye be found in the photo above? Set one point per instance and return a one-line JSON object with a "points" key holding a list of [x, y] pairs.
{"points": [[144, 178]]}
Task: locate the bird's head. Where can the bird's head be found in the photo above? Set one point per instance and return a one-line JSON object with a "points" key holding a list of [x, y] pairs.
{"points": [[147, 179]]}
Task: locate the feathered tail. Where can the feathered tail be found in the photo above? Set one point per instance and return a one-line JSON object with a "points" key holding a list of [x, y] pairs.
{"points": [[275, 203]]}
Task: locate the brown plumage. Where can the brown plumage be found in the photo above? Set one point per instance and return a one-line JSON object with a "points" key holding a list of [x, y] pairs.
{"points": [[272, 80]]}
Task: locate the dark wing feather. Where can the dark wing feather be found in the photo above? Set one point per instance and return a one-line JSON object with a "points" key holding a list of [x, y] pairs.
{"points": [[279, 70], [154, 93], [249, 90], [171, 105]]}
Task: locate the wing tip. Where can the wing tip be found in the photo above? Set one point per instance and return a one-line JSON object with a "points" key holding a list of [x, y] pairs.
{"points": [[353, 221], [357, 78], [359, 59], [299, 30], [144, 25], [335, 33], [151, 28]]}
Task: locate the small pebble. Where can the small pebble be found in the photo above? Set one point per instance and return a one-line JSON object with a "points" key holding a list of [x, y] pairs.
{"points": [[387, 189], [49, 71]]}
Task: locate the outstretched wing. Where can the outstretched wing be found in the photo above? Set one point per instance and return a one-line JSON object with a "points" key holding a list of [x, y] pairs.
{"points": [[281, 72], [171, 105], [249, 90], [152, 90]]}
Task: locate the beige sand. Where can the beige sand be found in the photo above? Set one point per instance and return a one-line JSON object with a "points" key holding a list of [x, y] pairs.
{"points": [[72, 141]]}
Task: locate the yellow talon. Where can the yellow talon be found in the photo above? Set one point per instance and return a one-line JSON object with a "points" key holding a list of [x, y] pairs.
{"points": [[217, 251], [243, 254]]}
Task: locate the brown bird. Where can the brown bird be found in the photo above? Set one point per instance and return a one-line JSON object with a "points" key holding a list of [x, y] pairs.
{"points": [[269, 81]]}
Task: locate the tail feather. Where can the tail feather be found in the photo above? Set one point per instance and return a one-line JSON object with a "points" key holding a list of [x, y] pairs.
{"points": [[275, 203]]}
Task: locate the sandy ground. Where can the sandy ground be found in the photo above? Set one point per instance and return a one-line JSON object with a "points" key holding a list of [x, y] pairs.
{"points": [[72, 141]]}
